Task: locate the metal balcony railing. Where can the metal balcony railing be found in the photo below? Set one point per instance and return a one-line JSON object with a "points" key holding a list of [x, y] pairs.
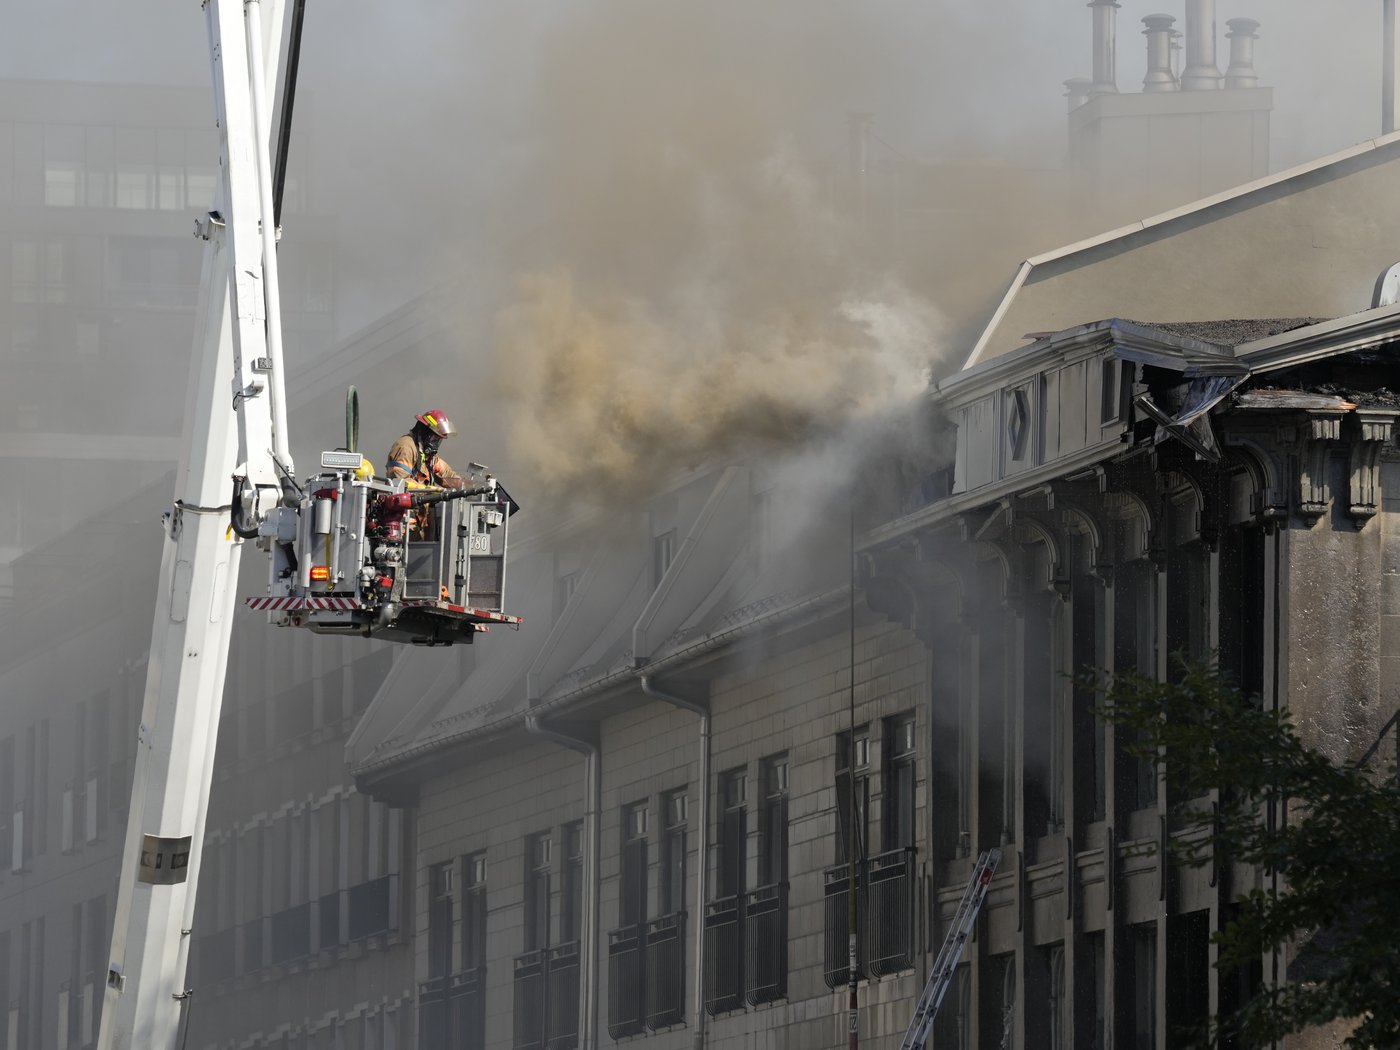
{"points": [[432, 1013], [884, 917], [546, 999], [466, 1010], [561, 997], [836, 952], [765, 955], [665, 969], [529, 1000], [291, 933], [889, 921], [724, 956], [373, 907], [625, 981]]}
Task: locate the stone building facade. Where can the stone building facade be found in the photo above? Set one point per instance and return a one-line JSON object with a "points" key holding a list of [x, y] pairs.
{"points": [[1071, 539], [634, 824]]}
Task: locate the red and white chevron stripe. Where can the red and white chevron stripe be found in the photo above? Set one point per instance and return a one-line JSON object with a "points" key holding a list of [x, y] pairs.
{"points": [[291, 604], [485, 614]]}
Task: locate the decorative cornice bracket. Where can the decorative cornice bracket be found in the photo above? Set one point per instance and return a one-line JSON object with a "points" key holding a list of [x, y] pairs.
{"points": [[1372, 431]]}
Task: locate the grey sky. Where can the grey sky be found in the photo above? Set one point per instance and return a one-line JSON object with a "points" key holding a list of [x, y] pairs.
{"points": [[424, 120]]}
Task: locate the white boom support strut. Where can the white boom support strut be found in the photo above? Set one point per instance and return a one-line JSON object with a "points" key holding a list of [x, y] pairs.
{"points": [[941, 976], [235, 418]]}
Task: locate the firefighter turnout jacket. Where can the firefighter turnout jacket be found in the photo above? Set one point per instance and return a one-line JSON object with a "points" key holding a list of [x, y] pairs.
{"points": [[408, 460]]}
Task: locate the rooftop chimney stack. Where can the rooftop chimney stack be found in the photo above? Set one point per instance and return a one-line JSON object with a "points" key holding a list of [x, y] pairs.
{"points": [[1159, 54], [1201, 72], [1242, 35], [1105, 47], [1077, 91]]}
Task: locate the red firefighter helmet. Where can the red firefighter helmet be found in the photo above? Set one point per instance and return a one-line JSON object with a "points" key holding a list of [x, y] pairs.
{"points": [[437, 421]]}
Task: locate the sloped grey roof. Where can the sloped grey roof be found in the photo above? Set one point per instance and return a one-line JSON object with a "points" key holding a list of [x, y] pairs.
{"points": [[1313, 237], [715, 593]]}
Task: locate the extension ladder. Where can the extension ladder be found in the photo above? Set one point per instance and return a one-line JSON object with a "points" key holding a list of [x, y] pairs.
{"points": [[947, 962]]}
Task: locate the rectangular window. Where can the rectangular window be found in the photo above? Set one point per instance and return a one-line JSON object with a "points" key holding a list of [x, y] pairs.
{"points": [[41, 791], [571, 906], [998, 1001], [675, 810], [632, 899], [764, 538], [1143, 941], [135, 186], [1096, 973], [663, 550], [900, 754], [440, 908], [853, 768], [39, 271], [97, 180], [7, 801], [953, 1025], [170, 187], [1188, 971], [564, 587], [201, 185], [1135, 650], [1108, 411], [764, 929], [539, 855], [627, 977], [773, 821], [1058, 1009], [473, 911], [1089, 740], [8, 1039], [62, 183], [99, 937], [733, 833]]}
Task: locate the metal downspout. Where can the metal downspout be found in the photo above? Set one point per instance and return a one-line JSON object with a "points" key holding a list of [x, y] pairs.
{"points": [[702, 861], [589, 946]]}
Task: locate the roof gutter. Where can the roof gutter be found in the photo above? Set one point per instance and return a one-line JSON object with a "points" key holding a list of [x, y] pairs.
{"points": [[780, 613]]}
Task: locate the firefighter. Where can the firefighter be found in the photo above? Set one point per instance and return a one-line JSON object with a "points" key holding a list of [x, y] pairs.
{"points": [[415, 455]]}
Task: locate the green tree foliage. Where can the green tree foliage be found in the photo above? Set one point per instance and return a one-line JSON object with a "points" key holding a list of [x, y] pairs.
{"points": [[1263, 799]]}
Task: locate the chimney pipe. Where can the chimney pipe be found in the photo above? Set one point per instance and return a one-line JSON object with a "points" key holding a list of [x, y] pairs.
{"points": [[1241, 73], [1159, 54], [1201, 72], [1105, 47], [1390, 101], [1077, 91]]}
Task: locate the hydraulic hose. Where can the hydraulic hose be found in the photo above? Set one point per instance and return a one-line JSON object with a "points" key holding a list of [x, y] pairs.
{"points": [[235, 513]]}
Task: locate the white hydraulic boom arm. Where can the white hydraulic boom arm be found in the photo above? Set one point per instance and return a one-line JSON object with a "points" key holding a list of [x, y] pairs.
{"points": [[235, 423]]}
